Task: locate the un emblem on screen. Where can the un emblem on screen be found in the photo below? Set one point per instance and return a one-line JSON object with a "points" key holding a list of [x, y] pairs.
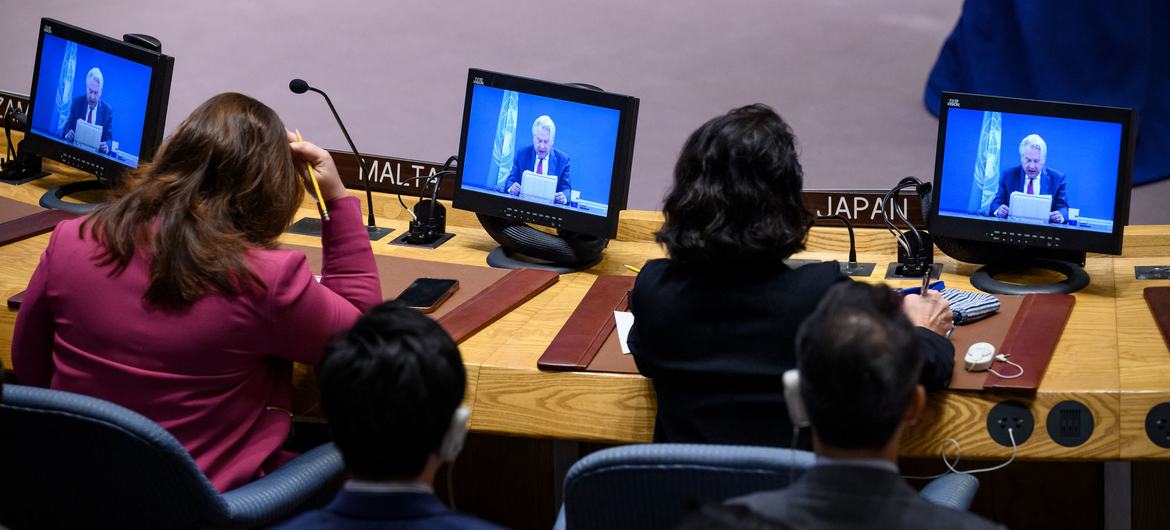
{"points": [[953, 102]]}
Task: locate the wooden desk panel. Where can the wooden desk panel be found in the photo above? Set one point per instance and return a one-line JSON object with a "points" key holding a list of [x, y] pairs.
{"points": [[1107, 358], [963, 417], [17, 263], [1144, 379]]}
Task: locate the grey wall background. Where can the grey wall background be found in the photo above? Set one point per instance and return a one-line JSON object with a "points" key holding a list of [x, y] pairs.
{"points": [[847, 74]]}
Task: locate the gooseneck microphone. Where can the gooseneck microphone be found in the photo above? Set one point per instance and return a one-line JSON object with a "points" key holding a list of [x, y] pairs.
{"points": [[300, 86]]}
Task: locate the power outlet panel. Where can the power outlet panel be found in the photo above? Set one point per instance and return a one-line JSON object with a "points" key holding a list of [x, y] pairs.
{"points": [[1070, 423], [1158, 425], [1010, 415]]}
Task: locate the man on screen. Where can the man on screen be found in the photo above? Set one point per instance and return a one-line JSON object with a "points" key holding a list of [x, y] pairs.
{"points": [[92, 109], [1032, 178], [543, 159]]}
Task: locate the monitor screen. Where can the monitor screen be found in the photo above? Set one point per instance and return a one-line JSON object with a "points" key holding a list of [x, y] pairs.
{"points": [[96, 103], [1036, 174], [546, 153]]}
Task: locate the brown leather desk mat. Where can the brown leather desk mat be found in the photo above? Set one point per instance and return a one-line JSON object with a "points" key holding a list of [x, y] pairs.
{"points": [[589, 341], [485, 294], [20, 220], [1027, 328], [1158, 298]]}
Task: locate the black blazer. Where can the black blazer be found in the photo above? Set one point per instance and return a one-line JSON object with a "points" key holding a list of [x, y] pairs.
{"points": [[716, 343], [849, 496]]}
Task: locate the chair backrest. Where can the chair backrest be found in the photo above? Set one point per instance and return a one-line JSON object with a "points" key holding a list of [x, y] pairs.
{"points": [[72, 461], [650, 486]]}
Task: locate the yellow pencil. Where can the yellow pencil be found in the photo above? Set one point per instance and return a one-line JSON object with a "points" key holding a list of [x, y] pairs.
{"points": [[633, 268], [316, 186]]}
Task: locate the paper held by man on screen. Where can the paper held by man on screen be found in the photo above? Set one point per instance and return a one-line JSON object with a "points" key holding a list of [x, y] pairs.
{"points": [[1030, 208]]}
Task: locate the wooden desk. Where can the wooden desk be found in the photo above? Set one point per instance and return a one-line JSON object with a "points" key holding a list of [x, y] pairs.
{"points": [[1111, 358]]}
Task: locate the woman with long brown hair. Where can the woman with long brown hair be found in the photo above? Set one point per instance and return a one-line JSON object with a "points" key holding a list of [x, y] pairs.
{"points": [[174, 300]]}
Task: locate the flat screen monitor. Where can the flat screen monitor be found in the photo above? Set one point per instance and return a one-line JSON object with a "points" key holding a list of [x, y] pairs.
{"points": [[97, 104], [1020, 177], [545, 153]]}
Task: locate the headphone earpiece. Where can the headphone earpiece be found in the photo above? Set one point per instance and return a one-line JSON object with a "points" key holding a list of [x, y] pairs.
{"points": [[797, 414], [452, 442]]}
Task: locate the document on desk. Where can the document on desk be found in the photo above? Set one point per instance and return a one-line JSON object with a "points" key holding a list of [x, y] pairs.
{"points": [[625, 321]]}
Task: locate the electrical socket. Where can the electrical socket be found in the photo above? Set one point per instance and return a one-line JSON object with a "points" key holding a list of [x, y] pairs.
{"points": [[1158, 425], [1070, 423], [1013, 415]]}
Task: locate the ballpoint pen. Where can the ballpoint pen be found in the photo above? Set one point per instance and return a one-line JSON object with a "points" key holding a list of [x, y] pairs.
{"points": [[316, 186]]}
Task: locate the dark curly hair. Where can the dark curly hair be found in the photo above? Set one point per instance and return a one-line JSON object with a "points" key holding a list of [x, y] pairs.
{"points": [[736, 196]]}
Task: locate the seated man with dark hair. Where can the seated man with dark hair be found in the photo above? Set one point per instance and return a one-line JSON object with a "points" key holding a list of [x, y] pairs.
{"points": [[859, 361], [391, 388]]}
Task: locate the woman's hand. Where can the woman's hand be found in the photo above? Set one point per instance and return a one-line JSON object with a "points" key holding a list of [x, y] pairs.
{"points": [[327, 175], [930, 311]]}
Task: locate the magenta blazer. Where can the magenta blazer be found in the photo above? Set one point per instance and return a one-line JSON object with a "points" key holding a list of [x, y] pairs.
{"points": [[217, 375]]}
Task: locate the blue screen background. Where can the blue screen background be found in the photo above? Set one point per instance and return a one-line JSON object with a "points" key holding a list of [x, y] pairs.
{"points": [[1087, 152], [586, 133], [126, 89]]}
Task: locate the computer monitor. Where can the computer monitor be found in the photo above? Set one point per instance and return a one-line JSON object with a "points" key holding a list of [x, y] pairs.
{"points": [[1022, 184], [97, 104], [545, 153]]}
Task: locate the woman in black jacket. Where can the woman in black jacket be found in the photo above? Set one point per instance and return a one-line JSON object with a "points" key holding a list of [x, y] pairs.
{"points": [[715, 324]]}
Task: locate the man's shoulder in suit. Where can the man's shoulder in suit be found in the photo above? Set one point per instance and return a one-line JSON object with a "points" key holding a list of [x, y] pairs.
{"points": [[844, 497], [561, 155]]}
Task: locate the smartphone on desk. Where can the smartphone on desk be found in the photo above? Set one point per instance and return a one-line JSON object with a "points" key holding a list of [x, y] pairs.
{"points": [[427, 294]]}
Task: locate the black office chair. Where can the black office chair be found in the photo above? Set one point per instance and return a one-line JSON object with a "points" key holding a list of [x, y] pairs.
{"points": [[645, 487], [72, 461]]}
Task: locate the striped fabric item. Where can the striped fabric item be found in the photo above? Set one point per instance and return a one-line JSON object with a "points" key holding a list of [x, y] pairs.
{"points": [[967, 306]]}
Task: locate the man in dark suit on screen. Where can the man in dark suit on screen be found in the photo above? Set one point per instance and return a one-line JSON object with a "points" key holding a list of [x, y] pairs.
{"points": [[92, 109], [543, 159], [859, 362], [1032, 178]]}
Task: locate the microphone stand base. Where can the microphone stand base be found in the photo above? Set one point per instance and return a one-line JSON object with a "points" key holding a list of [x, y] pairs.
{"points": [[311, 226], [377, 232]]}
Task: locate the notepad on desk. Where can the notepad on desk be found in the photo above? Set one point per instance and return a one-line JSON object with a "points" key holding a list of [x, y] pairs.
{"points": [[625, 321]]}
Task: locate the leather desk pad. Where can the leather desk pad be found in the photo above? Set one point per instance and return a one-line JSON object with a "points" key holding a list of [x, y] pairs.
{"points": [[484, 295]]}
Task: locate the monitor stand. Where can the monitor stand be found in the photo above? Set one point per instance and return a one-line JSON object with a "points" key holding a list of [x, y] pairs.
{"points": [[54, 197], [1076, 277], [522, 246]]}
